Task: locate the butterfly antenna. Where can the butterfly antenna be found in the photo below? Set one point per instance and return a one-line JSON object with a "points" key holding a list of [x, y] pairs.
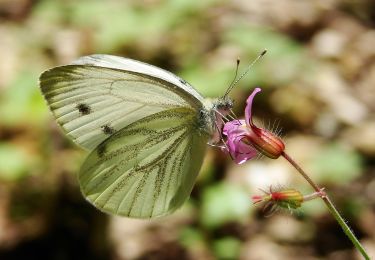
{"points": [[235, 81]]}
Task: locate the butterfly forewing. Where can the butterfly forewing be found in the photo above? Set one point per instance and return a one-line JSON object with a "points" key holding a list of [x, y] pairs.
{"points": [[148, 168], [115, 62], [91, 102]]}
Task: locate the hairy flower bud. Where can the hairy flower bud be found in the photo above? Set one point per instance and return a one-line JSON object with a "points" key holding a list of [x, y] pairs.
{"points": [[266, 142], [284, 198]]}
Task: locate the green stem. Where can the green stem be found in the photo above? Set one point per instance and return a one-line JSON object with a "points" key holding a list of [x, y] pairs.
{"points": [[330, 206]]}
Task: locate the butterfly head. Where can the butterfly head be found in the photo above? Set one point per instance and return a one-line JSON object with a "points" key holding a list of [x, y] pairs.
{"points": [[223, 105]]}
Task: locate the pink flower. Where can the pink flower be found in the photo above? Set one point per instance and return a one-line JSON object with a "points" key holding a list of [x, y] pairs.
{"points": [[245, 140]]}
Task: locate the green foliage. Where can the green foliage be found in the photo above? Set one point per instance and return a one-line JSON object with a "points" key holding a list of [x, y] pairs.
{"points": [[15, 162], [191, 237], [284, 61], [22, 102], [353, 206], [227, 248], [211, 82], [222, 203], [119, 24], [336, 164], [312, 208]]}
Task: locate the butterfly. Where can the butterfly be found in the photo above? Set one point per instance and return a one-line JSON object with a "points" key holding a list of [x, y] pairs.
{"points": [[146, 130]]}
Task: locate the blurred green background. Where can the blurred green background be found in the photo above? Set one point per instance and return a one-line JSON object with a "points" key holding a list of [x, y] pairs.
{"points": [[318, 82]]}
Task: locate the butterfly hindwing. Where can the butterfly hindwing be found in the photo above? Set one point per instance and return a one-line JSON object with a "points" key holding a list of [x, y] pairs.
{"points": [[148, 168]]}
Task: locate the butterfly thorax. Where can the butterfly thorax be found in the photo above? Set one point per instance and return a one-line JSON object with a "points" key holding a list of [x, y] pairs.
{"points": [[211, 116]]}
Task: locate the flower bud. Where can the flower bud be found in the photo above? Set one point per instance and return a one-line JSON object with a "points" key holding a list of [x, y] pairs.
{"points": [[286, 198], [265, 142]]}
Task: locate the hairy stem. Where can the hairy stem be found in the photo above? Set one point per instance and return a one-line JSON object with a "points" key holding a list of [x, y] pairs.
{"points": [[330, 206]]}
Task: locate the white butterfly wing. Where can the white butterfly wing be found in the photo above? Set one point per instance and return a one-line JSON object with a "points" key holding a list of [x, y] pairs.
{"points": [[98, 95], [147, 169], [116, 62], [144, 126]]}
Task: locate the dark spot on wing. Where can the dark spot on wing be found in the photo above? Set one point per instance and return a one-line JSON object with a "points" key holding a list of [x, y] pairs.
{"points": [[182, 81], [101, 149], [108, 130], [84, 109]]}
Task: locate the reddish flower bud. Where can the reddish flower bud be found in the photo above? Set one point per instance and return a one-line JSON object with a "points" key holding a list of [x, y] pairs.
{"points": [[266, 142], [284, 198]]}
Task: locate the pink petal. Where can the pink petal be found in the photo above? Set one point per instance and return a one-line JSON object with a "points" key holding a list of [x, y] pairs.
{"points": [[237, 133], [249, 104], [231, 126], [239, 150], [244, 152]]}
